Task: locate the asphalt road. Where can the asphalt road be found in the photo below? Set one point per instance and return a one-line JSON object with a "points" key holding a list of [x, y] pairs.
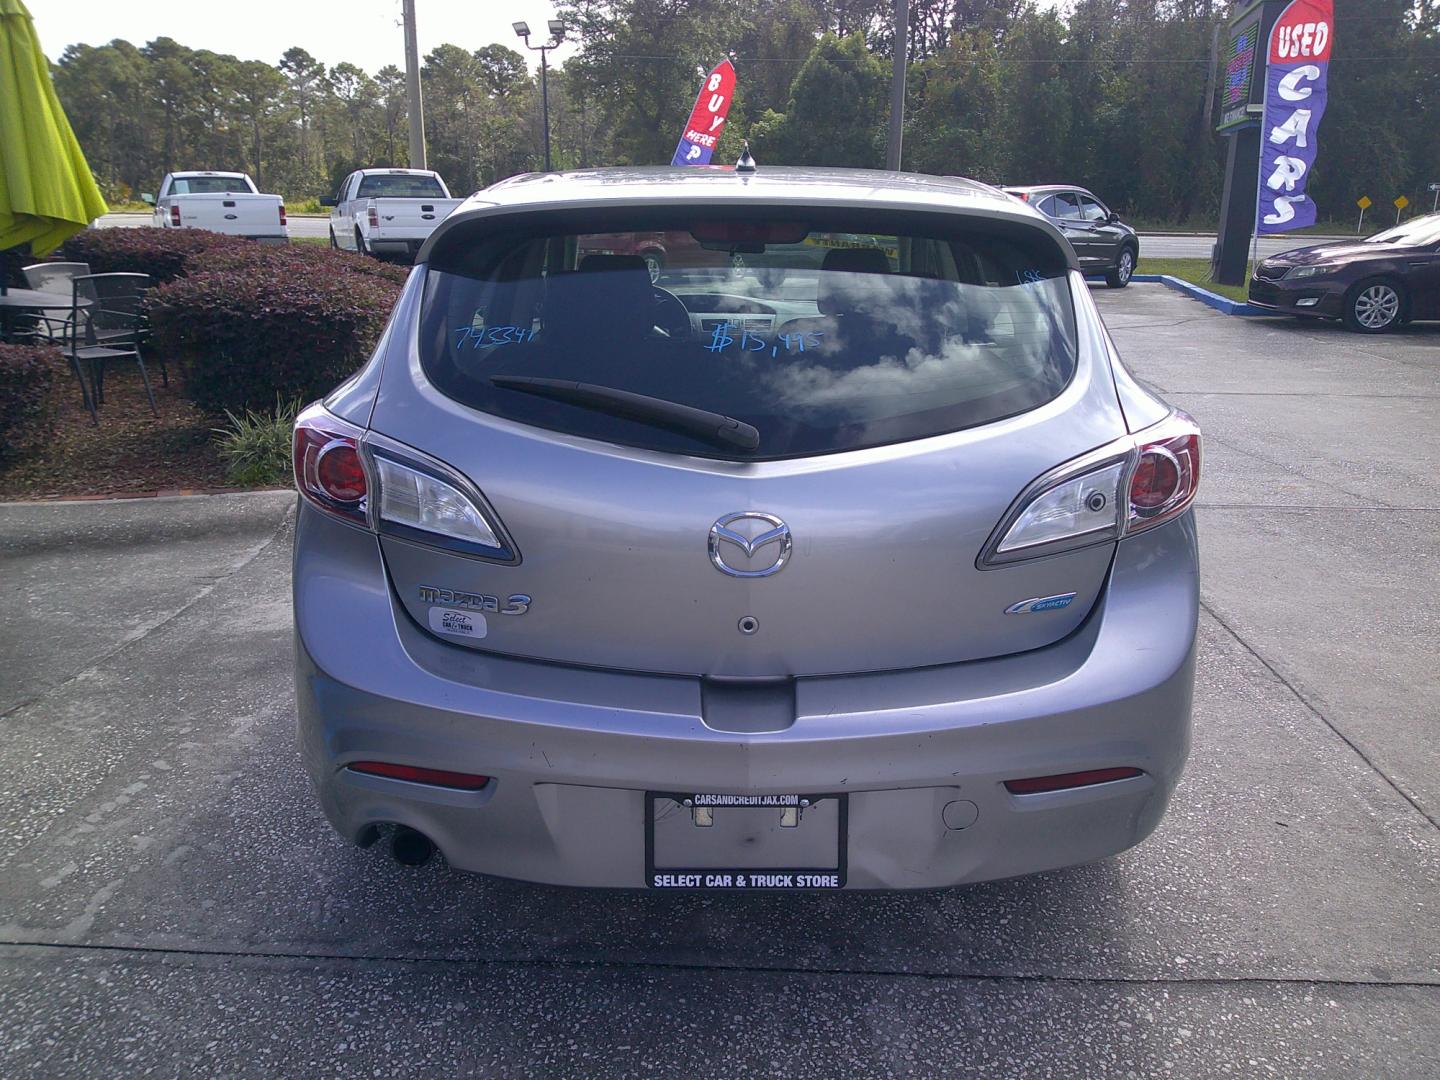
{"points": [[1157, 247], [171, 900]]}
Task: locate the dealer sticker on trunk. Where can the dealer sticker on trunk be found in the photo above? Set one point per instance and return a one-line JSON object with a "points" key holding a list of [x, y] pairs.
{"points": [[469, 624]]}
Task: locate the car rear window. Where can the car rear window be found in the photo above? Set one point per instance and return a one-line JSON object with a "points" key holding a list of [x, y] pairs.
{"points": [[400, 187], [208, 185], [827, 334]]}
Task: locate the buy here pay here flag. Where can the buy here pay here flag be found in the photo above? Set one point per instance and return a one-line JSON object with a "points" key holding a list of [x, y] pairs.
{"points": [[707, 119]]}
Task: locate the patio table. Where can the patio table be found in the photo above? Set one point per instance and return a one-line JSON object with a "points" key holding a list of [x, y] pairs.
{"points": [[14, 301]]}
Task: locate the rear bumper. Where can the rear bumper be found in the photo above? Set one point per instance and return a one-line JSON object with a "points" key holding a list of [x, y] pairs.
{"points": [[404, 243], [573, 751]]}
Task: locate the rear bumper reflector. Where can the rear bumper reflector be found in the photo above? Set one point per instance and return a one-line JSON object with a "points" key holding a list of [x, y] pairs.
{"points": [[436, 777], [1035, 785]]}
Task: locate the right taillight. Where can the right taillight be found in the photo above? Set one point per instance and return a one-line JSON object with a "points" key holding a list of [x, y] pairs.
{"points": [[1166, 473], [1126, 487]]}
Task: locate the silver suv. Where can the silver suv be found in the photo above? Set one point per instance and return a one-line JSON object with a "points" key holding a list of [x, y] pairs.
{"points": [[880, 573]]}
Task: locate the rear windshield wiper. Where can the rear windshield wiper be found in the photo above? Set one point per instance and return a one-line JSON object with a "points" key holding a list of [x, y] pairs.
{"points": [[658, 412]]}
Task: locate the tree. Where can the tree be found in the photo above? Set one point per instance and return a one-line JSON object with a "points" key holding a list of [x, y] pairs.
{"points": [[258, 88], [395, 103], [304, 79], [840, 78], [357, 97], [1108, 93], [643, 60]]}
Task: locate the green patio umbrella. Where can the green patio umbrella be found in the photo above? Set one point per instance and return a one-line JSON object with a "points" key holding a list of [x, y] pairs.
{"points": [[47, 192]]}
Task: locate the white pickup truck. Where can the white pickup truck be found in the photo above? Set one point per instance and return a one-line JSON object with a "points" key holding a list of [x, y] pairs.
{"points": [[223, 202], [388, 211]]}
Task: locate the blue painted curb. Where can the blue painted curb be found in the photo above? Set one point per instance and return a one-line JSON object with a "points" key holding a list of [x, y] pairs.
{"points": [[1205, 296], [1195, 292]]}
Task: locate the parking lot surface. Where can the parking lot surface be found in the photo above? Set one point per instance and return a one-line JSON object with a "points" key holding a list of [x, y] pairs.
{"points": [[171, 899]]}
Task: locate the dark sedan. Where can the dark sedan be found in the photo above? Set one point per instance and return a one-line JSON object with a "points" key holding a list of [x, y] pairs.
{"points": [[1103, 243], [1372, 285]]}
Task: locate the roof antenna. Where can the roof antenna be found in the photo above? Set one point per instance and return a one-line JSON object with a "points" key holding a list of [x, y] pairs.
{"points": [[746, 162]]}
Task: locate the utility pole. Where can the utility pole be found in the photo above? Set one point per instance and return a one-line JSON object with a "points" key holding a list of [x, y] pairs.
{"points": [[897, 85], [412, 87]]}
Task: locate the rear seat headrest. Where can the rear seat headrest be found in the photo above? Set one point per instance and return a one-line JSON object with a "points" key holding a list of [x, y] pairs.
{"points": [[841, 287]]}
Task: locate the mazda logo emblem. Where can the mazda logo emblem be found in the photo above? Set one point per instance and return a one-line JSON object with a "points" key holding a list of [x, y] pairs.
{"points": [[724, 540]]}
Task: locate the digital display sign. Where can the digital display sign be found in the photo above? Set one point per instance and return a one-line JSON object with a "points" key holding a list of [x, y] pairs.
{"points": [[1240, 59]]}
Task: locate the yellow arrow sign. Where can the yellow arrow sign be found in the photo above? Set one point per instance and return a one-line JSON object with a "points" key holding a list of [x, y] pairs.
{"points": [[1364, 202], [1401, 203]]}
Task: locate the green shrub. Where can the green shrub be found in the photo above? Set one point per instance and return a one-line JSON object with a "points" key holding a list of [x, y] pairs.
{"points": [[164, 254], [256, 445], [27, 409], [269, 321]]}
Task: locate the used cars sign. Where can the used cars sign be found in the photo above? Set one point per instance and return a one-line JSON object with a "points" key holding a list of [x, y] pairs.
{"points": [[1295, 98]]}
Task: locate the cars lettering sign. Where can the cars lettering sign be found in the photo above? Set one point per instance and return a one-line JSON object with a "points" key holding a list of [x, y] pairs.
{"points": [[1295, 98], [707, 119]]}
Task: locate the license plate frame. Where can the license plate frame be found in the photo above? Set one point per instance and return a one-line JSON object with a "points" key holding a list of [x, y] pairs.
{"points": [[741, 878]]}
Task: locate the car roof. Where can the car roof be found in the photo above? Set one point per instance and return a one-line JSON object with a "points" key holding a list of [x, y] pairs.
{"points": [[392, 172], [205, 172], [1035, 189], [725, 186]]}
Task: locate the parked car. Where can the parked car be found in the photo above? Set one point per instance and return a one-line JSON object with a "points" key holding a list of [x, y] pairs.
{"points": [[885, 582], [1372, 285], [223, 202], [1103, 243], [388, 211]]}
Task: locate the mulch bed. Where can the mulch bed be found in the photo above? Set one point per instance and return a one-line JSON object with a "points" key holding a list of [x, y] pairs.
{"points": [[132, 452]]}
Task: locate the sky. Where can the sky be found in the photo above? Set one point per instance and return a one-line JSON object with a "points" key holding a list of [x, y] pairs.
{"points": [[365, 32]]}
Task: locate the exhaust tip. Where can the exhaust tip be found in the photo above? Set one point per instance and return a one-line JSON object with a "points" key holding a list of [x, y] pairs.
{"points": [[410, 848]]}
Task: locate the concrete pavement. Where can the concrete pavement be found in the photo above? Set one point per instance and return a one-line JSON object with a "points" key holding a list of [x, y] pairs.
{"points": [[170, 897]]}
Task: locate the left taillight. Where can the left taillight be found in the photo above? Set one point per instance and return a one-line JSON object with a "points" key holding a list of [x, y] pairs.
{"points": [[329, 469], [374, 482]]}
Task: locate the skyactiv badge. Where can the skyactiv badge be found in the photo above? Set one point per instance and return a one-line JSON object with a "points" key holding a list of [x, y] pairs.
{"points": [[1041, 603]]}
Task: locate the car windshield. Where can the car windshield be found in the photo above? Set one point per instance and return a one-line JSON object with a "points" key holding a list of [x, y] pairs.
{"points": [[820, 338], [400, 187], [1414, 233], [208, 185]]}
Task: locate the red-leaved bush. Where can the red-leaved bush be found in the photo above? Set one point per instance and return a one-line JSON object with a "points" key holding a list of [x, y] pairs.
{"points": [[252, 325], [294, 258], [27, 408], [164, 254]]}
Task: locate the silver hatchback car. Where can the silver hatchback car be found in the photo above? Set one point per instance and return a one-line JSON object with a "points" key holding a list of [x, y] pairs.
{"points": [[878, 573]]}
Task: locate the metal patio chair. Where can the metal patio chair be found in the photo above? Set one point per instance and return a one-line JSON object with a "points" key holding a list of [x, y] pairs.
{"points": [[105, 324], [111, 327]]}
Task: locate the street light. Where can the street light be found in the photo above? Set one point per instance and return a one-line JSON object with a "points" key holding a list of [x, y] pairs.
{"points": [[557, 35]]}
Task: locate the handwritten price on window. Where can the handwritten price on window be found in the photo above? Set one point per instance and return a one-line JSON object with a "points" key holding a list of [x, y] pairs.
{"points": [[479, 337], [721, 338]]}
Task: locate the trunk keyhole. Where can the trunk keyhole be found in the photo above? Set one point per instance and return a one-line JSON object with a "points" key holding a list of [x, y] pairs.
{"points": [[749, 624]]}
